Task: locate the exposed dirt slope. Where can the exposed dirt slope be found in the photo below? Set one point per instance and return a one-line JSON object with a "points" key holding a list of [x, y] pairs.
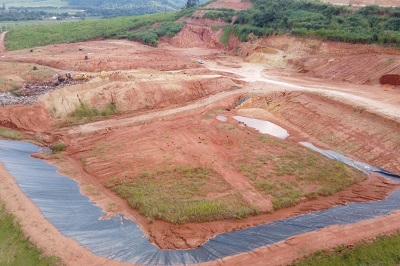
{"points": [[347, 129], [354, 63], [27, 118], [137, 91], [197, 36], [197, 140]]}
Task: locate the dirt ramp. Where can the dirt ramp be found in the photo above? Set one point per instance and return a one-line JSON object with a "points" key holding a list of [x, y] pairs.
{"points": [[390, 79], [34, 118]]}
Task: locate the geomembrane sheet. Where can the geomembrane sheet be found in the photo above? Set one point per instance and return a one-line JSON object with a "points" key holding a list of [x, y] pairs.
{"points": [[61, 202]]}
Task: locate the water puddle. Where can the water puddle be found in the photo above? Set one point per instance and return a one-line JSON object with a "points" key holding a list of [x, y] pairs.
{"points": [[222, 118], [264, 127]]}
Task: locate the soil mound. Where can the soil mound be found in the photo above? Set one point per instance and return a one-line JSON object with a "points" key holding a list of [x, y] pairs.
{"points": [[34, 118], [147, 92], [390, 79]]}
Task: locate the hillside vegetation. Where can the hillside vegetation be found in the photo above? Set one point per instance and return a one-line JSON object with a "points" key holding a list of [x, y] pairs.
{"points": [[137, 28], [370, 24]]}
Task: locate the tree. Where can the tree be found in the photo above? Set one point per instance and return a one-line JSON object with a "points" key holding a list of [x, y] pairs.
{"points": [[191, 3]]}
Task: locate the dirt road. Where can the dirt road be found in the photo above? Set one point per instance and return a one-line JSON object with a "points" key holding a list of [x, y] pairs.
{"points": [[2, 46], [260, 83]]}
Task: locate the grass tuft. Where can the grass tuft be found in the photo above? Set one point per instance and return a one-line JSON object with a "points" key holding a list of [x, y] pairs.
{"points": [[180, 195], [15, 248], [385, 250], [10, 134]]}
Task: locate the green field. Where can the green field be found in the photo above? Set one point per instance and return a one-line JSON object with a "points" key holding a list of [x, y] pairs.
{"points": [[385, 250], [134, 28], [15, 248]]}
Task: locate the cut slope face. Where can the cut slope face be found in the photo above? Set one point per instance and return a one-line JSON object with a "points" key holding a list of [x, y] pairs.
{"points": [[347, 129], [354, 63]]}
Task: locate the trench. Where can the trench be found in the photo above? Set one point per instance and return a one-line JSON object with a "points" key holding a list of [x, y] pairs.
{"points": [[72, 213]]}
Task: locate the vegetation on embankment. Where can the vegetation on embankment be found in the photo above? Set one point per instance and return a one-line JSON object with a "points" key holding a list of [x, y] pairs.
{"points": [[385, 250], [370, 24], [15, 248], [181, 195], [138, 28], [293, 173]]}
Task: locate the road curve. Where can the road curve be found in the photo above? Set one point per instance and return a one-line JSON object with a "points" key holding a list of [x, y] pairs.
{"points": [[257, 83]]}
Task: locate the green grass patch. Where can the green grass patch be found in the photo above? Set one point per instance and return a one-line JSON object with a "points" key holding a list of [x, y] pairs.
{"points": [[181, 195], [385, 250], [15, 248], [40, 35], [10, 134], [149, 35], [58, 147], [290, 173], [85, 113]]}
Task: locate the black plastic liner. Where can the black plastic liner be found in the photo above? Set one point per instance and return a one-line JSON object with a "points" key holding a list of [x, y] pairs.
{"points": [[61, 202]]}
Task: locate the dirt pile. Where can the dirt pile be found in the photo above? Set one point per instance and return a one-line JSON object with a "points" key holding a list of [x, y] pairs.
{"points": [[135, 92], [390, 79]]}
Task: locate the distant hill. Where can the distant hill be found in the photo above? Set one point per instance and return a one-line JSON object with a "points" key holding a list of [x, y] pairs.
{"points": [[115, 8], [150, 5]]}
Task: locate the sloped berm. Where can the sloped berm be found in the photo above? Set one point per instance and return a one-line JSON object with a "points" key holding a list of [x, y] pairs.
{"points": [[61, 202]]}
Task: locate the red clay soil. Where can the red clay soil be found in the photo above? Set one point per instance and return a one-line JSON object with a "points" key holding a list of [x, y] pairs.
{"points": [[195, 140], [30, 119], [110, 55], [354, 63], [197, 36], [348, 129], [194, 136], [390, 79]]}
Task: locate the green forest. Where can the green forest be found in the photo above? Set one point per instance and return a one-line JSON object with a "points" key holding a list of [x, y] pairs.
{"points": [[369, 24]]}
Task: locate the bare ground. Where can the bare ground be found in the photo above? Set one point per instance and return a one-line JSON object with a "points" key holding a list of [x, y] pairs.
{"points": [[277, 93]]}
